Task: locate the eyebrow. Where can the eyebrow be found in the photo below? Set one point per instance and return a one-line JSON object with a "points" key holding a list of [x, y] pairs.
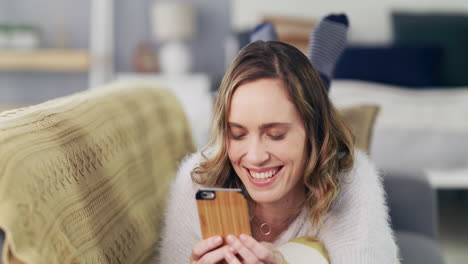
{"points": [[264, 126]]}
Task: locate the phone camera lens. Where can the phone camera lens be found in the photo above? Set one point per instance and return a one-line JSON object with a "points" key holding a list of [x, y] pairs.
{"points": [[208, 195]]}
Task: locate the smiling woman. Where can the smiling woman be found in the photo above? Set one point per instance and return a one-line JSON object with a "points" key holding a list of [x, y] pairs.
{"points": [[277, 136], [263, 125]]}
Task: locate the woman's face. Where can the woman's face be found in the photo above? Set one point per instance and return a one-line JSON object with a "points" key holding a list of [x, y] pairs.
{"points": [[267, 142]]}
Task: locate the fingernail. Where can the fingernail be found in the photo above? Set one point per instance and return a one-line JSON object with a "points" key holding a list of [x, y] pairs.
{"points": [[229, 256], [231, 238], [243, 236], [217, 240]]}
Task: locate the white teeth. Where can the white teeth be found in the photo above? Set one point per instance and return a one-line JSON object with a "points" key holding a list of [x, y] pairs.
{"points": [[263, 175]]}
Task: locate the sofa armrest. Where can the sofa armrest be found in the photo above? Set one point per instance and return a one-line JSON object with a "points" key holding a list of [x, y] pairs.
{"points": [[412, 202]]}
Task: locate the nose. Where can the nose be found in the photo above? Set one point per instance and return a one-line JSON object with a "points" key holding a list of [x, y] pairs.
{"points": [[257, 153]]}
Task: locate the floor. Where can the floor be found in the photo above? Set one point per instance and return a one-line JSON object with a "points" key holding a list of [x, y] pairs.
{"points": [[453, 225]]}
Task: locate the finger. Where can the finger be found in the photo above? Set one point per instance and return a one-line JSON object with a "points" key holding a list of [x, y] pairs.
{"points": [[215, 256], [231, 258], [204, 246], [264, 251], [242, 250], [276, 255]]}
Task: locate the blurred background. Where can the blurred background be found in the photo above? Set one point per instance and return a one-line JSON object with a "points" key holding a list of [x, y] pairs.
{"points": [[118, 30], [410, 57]]}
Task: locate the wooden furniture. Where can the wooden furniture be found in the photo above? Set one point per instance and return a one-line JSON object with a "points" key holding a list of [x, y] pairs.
{"points": [[45, 60], [293, 30], [97, 60]]}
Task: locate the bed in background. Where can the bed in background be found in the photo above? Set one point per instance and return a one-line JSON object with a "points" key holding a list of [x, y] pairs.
{"points": [[423, 129], [421, 83]]}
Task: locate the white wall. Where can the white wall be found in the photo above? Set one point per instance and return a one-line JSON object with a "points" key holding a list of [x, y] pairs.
{"points": [[370, 19]]}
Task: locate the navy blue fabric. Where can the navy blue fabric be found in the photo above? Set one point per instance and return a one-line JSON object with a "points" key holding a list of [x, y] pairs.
{"points": [[403, 65], [339, 18]]}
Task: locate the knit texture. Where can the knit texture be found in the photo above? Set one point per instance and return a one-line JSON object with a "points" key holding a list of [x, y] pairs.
{"points": [[327, 43], [83, 179], [355, 231]]}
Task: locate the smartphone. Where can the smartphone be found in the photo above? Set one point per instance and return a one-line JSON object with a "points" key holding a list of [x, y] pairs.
{"points": [[223, 212]]}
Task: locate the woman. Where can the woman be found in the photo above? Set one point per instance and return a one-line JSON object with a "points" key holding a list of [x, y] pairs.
{"points": [[277, 136]]}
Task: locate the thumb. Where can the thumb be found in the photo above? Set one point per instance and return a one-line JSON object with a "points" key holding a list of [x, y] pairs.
{"points": [[276, 257]]}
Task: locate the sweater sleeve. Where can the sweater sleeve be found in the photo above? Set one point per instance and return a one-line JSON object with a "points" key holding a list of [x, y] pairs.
{"points": [[304, 250], [181, 229], [357, 229]]}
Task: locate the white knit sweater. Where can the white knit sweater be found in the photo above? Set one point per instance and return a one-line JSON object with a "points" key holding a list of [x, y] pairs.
{"points": [[355, 231]]}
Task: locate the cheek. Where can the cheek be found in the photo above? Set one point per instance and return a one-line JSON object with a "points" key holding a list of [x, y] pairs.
{"points": [[292, 154], [299, 152], [234, 151]]}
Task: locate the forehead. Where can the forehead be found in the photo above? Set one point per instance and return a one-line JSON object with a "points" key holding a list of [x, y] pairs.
{"points": [[263, 100]]}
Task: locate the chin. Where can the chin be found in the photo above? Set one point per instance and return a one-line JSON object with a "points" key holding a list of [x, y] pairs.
{"points": [[263, 197]]}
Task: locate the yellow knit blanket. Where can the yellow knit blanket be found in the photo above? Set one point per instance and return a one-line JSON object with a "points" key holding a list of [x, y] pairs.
{"points": [[83, 178]]}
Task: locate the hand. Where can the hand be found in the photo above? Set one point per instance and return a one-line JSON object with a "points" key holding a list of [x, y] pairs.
{"points": [[252, 251], [209, 251]]}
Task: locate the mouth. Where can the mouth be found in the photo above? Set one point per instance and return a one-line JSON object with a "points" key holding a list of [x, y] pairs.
{"points": [[263, 177]]}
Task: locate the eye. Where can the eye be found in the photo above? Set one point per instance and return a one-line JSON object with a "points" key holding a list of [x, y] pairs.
{"points": [[277, 137], [237, 133], [237, 136]]}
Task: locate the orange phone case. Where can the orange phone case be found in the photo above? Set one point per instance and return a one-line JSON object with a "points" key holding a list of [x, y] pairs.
{"points": [[226, 213]]}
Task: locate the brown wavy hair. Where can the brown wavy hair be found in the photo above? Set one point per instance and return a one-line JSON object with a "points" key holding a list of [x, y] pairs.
{"points": [[330, 141]]}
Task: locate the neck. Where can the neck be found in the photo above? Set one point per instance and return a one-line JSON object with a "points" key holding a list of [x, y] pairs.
{"points": [[278, 216], [274, 216]]}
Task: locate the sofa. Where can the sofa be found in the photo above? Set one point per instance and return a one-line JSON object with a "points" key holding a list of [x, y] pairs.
{"points": [[413, 212], [83, 179]]}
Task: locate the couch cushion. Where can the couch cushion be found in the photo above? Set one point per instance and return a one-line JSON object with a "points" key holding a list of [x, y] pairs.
{"points": [[361, 118], [418, 249], [83, 179]]}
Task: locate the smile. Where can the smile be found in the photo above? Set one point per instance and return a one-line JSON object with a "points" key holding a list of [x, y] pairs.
{"points": [[264, 177], [265, 174]]}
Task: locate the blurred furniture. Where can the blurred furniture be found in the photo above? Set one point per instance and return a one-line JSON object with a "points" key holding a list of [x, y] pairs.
{"points": [[19, 36], [84, 178], [293, 30], [101, 42], [428, 51], [192, 90], [413, 211], [406, 65], [361, 118], [98, 60], [447, 30], [173, 24], [416, 130], [45, 60], [369, 24], [411, 199]]}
